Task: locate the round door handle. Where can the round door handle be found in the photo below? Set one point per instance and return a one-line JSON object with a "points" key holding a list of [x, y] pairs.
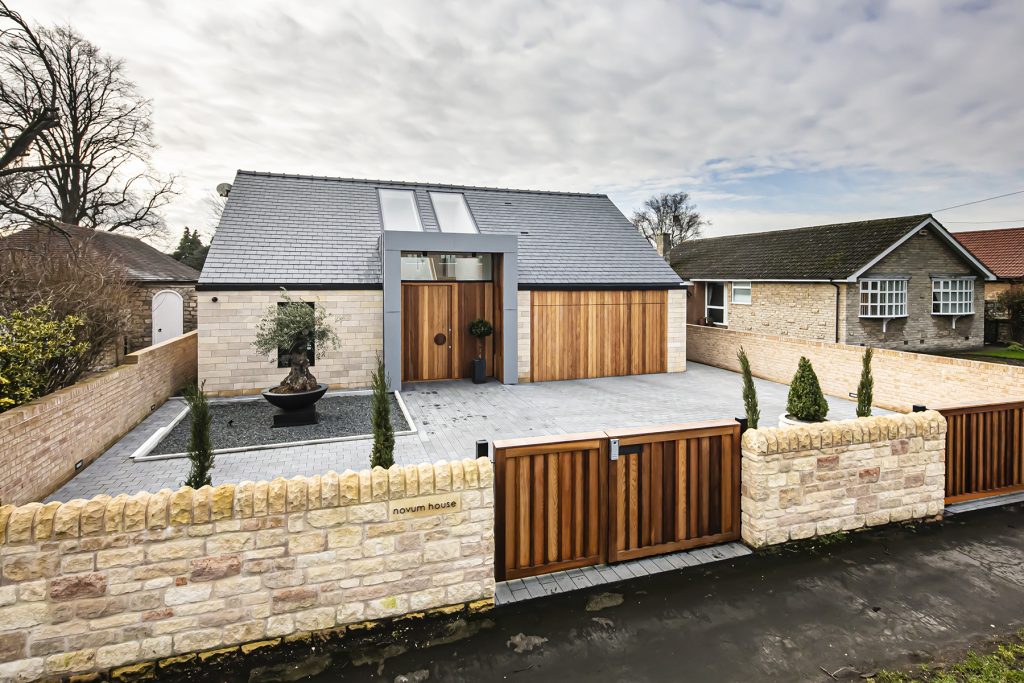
{"points": [[440, 339]]}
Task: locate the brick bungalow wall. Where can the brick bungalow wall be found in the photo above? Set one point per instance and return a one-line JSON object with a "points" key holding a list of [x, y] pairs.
{"points": [[902, 379], [93, 585], [41, 441], [140, 333], [230, 366]]}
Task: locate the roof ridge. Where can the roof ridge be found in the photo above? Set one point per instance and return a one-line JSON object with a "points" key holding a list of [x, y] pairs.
{"points": [[922, 216], [985, 231], [381, 181]]}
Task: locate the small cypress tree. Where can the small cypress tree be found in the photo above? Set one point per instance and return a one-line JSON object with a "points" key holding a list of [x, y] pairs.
{"points": [[805, 401], [749, 391], [200, 450], [866, 388], [383, 453]]}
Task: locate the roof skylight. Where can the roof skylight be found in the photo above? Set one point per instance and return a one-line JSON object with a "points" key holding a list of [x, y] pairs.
{"points": [[452, 212], [398, 209]]}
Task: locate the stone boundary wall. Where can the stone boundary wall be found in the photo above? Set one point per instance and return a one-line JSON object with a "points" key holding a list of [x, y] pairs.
{"points": [[800, 482], [676, 330], [41, 441], [99, 584], [902, 379]]}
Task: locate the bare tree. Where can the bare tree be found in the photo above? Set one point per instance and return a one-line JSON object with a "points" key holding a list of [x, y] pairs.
{"points": [[93, 168], [19, 43], [671, 214]]}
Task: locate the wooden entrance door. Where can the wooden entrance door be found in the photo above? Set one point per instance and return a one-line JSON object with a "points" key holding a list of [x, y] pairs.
{"points": [[426, 331]]}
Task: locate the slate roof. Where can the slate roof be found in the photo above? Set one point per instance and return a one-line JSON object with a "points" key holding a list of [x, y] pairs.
{"points": [[1002, 250], [287, 229], [820, 252], [140, 261]]}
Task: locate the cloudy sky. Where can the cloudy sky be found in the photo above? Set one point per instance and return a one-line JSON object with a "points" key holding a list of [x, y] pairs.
{"points": [[771, 114]]}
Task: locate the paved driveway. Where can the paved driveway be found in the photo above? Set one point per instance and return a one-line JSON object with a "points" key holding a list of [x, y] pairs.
{"points": [[450, 417]]}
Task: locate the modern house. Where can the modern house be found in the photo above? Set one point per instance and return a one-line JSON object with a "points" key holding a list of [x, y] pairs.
{"points": [[1002, 252], [163, 304], [900, 283], [571, 288]]}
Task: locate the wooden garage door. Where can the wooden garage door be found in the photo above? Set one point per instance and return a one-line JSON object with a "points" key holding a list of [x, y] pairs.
{"points": [[584, 334]]}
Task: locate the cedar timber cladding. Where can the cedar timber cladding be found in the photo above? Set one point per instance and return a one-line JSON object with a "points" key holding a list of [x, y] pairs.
{"points": [[587, 334]]}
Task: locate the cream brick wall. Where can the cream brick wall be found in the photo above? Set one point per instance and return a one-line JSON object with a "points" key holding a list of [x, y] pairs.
{"points": [[676, 330], [99, 584], [41, 441], [800, 482], [523, 324], [902, 379], [788, 309], [227, 328]]}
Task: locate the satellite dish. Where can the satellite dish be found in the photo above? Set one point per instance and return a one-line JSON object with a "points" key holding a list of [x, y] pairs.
{"points": [[224, 189]]}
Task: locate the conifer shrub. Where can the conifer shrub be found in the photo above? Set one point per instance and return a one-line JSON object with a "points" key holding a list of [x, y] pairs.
{"points": [[806, 402]]}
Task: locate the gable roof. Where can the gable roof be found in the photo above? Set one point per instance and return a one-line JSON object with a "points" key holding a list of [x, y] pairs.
{"points": [[837, 251], [294, 230], [140, 261], [1001, 250]]}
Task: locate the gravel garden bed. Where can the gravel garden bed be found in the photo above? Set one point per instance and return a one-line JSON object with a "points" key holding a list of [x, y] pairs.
{"points": [[247, 423]]}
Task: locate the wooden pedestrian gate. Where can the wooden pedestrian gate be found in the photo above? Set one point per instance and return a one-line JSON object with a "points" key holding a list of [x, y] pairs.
{"points": [[984, 450], [586, 499]]}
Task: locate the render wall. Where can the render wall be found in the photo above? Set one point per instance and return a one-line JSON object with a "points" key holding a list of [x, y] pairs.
{"points": [[227, 328], [523, 334], [41, 441], [902, 378], [838, 476], [676, 330], [91, 585], [920, 257]]}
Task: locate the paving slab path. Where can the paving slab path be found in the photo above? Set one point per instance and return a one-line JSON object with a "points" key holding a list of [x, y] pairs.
{"points": [[888, 598]]}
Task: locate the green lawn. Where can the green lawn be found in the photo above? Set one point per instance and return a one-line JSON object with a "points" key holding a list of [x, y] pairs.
{"points": [[1005, 664], [997, 353]]}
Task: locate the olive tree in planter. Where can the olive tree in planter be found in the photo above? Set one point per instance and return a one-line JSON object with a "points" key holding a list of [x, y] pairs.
{"points": [[481, 329], [293, 327], [806, 402]]}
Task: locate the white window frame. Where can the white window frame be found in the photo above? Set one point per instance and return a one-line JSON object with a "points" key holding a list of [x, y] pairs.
{"points": [[465, 205], [961, 287], [725, 302], [743, 285], [382, 192], [886, 288]]}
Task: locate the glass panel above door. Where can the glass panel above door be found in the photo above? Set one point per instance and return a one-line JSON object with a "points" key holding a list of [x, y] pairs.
{"points": [[431, 267]]}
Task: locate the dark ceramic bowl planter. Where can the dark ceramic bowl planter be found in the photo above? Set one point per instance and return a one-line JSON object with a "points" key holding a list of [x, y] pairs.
{"points": [[296, 401]]}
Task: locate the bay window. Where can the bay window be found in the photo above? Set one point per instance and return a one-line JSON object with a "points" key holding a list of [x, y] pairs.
{"points": [[952, 296], [883, 298]]}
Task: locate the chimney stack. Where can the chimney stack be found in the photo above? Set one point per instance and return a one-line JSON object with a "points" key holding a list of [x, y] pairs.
{"points": [[663, 243]]}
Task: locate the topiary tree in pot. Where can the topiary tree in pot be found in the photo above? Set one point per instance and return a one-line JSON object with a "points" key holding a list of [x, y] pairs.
{"points": [[750, 406], [289, 329], [481, 329], [806, 402]]}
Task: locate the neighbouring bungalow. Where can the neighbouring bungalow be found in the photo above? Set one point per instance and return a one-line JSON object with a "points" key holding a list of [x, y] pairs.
{"points": [[571, 288], [1002, 252], [163, 304], [899, 283]]}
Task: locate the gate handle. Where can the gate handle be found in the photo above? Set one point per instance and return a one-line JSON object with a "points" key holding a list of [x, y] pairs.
{"points": [[439, 338]]}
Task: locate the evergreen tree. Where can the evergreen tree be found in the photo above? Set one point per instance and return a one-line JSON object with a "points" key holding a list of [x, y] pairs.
{"points": [[383, 453], [749, 391], [190, 250], [805, 401], [866, 388], [200, 450]]}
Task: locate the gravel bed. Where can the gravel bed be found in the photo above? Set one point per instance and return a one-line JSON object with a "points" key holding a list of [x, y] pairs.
{"points": [[238, 424]]}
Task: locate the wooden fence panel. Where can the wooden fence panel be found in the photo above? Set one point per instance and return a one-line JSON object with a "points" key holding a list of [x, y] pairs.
{"points": [[550, 504], [674, 488], [984, 450]]}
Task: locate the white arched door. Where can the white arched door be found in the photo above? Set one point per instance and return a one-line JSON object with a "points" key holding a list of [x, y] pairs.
{"points": [[168, 316]]}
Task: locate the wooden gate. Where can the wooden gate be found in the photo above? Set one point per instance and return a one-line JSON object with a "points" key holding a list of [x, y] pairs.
{"points": [[586, 499], [984, 450], [673, 488]]}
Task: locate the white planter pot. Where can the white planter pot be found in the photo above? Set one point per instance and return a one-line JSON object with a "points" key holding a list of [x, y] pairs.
{"points": [[786, 421]]}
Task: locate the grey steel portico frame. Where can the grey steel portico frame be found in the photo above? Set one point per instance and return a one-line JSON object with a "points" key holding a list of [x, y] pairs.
{"points": [[393, 243]]}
